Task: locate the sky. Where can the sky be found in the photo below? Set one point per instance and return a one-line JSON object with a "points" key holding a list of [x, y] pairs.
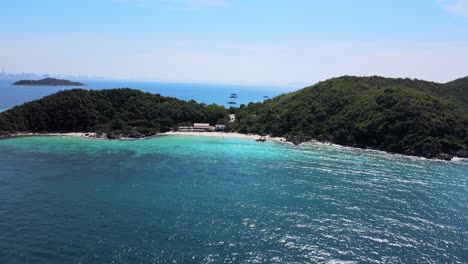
{"points": [[264, 42]]}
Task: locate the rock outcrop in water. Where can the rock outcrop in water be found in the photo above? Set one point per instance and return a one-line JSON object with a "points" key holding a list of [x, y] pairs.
{"points": [[49, 82], [132, 134], [295, 140]]}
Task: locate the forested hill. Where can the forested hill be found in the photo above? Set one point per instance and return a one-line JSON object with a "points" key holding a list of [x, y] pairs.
{"points": [[117, 110], [405, 116], [458, 89]]}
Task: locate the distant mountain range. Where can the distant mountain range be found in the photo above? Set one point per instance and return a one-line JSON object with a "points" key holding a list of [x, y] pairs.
{"points": [[411, 117], [49, 82]]}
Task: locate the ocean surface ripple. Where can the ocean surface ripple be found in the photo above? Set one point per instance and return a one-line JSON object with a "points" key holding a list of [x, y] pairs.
{"points": [[179, 199]]}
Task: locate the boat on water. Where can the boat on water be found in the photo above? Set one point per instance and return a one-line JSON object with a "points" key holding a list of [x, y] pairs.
{"points": [[232, 103], [233, 95]]}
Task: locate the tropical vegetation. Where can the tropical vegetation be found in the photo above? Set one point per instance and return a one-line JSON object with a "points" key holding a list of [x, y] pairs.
{"points": [[114, 110], [405, 116]]}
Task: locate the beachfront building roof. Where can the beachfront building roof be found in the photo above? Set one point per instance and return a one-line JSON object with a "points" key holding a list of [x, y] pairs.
{"points": [[197, 127], [201, 126]]}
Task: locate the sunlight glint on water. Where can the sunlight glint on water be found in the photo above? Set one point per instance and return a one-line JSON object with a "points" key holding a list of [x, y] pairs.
{"points": [[200, 199]]}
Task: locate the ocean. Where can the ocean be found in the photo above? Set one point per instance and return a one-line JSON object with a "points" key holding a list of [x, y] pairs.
{"points": [[182, 199], [11, 95]]}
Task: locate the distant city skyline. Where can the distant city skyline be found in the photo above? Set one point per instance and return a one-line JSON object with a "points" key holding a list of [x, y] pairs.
{"points": [[235, 41], [6, 74]]}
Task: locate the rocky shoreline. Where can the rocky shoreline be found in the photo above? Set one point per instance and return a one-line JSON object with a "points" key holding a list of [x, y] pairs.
{"points": [[427, 153], [110, 135]]}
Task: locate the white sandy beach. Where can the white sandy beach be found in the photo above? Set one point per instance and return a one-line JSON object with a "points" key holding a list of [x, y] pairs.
{"points": [[225, 135], [171, 133], [214, 134]]}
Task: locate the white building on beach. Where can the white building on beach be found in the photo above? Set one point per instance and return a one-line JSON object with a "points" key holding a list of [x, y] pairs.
{"points": [[197, 127]]}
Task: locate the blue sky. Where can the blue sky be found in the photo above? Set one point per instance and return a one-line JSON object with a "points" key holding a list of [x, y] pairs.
{"points": [[237, 41]]}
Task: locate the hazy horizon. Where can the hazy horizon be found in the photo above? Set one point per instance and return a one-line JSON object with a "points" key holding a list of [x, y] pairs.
{"points": [[286, 87], [237, 42]]}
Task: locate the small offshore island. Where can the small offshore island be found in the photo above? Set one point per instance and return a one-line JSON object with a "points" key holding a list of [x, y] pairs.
{"points": [[49, 82], [403, 116]]}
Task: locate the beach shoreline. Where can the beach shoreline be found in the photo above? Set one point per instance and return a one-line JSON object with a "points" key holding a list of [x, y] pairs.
{"points": [[223, 135], [93, 135], [30, 134]]}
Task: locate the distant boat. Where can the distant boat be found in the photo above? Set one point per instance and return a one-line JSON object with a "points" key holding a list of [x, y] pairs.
{"points": [[232, 102], [266, 96], [233, 95]]}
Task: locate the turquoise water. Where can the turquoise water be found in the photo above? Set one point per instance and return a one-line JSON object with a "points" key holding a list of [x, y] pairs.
{"points": [[180, 199]]}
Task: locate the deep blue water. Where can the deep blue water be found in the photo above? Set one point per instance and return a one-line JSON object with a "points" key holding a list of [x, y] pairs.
{"points": [[11, 95], [180, 199]]}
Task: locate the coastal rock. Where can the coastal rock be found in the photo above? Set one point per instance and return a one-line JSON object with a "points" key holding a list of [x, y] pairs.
{"points": [[427, 152], [463, 153], [113, 136], [295, 140], [134, 134], [443, 156], [98, 135]]}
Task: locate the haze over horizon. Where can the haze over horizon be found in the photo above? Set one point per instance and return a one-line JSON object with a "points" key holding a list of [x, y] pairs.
{"points": [[228, 41]]}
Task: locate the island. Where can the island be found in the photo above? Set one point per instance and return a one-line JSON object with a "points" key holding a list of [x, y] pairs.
{"points": [[403, 116], [49, 82]]}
